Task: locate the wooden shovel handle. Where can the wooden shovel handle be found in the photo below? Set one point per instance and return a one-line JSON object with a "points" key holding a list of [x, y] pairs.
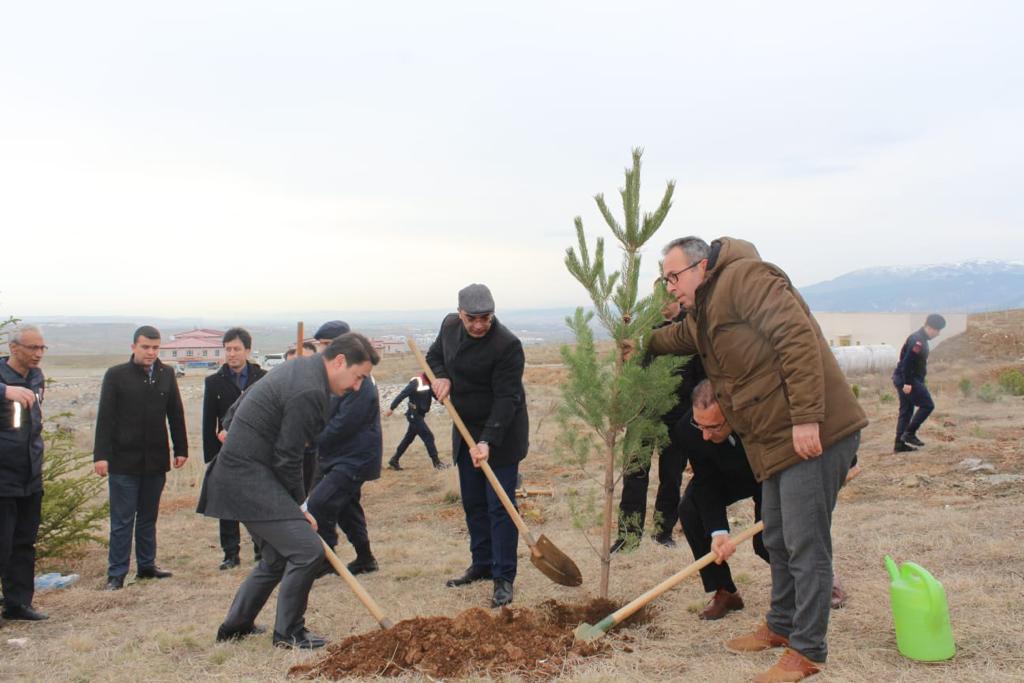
{"points": [[470, 442], [626, 611], [356, 587]]}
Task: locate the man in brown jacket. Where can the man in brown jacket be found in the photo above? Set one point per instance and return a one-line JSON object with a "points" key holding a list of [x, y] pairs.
{"points": [[780, 387]]}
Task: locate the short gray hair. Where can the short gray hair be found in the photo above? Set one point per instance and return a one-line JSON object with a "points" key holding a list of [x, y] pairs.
{"points": [[703, 396], [20, 331], [695, 248]]}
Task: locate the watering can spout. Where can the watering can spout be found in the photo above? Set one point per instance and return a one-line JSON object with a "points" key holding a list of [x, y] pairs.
{"points": [[890, 566]]}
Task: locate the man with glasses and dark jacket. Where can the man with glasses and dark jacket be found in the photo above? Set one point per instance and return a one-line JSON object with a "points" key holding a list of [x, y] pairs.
{"points": [[22, 386], [222, 389], [138, 401]]}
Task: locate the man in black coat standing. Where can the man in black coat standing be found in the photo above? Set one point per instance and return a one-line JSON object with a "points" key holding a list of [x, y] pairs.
{"points": [[222, 389], [721, 476], [138, 400], [22, 386], [420, 397], [908, 378], [479, 362], [256, 479]]}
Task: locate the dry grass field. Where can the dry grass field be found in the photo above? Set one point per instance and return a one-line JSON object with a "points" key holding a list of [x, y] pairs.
{"points": [[966, 528]]}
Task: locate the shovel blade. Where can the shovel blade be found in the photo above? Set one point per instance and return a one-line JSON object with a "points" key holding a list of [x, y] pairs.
{"points": [[555, 564], [587, 633]]}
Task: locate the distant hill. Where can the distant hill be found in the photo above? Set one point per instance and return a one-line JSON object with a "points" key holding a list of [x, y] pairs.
{"points": [[972, 286]]}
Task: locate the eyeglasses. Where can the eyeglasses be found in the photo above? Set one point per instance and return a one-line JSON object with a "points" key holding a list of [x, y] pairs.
{"points": [[707, 428], [34, 348], [673, 278]]}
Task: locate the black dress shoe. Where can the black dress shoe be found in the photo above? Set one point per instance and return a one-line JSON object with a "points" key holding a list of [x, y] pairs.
{"points": [[302, 639], [474, 573], [438, 465], [393, 465], [665, 540], [114, 583], [363, 565], [153, 573], [502, 593], [912, 440], [325, 570], [626, 545], [237, 633], [902, 446], [22, 613], [230, 562]]}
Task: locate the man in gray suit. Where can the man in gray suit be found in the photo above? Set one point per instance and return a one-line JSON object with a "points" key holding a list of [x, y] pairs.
{"points": [[257, 479]]}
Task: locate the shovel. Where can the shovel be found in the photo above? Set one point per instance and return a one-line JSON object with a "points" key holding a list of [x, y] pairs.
{"points": [[546, 557], [356, 587], [588, 633]]}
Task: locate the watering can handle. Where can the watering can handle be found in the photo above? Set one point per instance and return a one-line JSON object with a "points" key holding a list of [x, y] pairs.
{"points": [[925, 577], [890, 566]]}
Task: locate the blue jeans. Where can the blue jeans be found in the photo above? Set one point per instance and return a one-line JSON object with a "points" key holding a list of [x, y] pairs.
{"points": [[493, 536], [134, 505]]}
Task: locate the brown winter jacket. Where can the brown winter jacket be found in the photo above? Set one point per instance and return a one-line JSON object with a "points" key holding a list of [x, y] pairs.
{"points": [[765, 355]]}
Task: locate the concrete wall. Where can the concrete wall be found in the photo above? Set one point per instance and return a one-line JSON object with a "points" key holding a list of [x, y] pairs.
{"points": [[883, 328]]}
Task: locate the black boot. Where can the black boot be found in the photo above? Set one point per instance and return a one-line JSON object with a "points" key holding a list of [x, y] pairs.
{"points": [[364, 563], [902, 446], [438, 465], [911, 439], [231, 560], [393, 464]]}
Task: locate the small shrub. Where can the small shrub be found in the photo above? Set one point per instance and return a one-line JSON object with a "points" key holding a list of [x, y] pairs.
{"points": [[887, 397], [966, 387], [856, 390], [1012, 382], [988, 393], [71, 516]]}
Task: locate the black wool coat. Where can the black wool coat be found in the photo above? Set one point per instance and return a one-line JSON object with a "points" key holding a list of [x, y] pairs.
{"points": [[220, 393]]}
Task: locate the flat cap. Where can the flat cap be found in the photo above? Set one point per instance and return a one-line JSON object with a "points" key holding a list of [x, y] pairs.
{"points": [[476, 299], [331, 329]]}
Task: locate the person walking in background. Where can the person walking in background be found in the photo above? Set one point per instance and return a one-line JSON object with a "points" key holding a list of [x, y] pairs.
{"points": [[22, 386], [221, 390], [420, 397], [908, 378], [479, 363], [138, 401]]}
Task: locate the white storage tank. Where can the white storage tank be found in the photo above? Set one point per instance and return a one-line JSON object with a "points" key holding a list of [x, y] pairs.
{"points": [[863, 360]]}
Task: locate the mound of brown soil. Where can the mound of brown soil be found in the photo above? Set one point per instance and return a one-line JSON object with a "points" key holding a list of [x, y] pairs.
{"points": [[533, 643]]}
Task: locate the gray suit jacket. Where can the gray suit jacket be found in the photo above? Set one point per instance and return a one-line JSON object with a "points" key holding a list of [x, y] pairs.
{"points": [[257, 476]]}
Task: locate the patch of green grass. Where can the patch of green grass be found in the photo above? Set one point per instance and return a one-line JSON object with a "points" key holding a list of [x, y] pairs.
{"points": [[966, 387], [988, 393], [887, 397]]}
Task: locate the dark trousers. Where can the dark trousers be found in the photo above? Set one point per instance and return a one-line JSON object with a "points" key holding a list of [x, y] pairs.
{"points": [[493, 536], [336, 501], [310, 469], [909, 420], [633, 506], [417, 427], [715, 576], [231, 539], [134, 506], [797, 504], [292, 555], [19, 526]]}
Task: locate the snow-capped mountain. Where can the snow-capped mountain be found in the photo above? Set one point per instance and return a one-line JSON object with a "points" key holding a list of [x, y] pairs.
{"points": [[969, 286]]}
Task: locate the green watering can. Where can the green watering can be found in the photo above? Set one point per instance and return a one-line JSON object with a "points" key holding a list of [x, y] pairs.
{"points": [[920, 613]]}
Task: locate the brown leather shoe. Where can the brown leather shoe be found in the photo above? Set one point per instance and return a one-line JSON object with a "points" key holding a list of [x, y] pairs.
{"points": [[721, 603], [792, 666], [762, 638]]}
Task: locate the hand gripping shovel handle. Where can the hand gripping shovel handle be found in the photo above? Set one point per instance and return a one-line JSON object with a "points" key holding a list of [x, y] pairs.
{"points": [[587, 632], [470, 442], [356, 587]]}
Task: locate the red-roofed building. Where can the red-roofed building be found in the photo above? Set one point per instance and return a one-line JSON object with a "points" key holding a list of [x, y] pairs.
{"points": [[194, 346]]}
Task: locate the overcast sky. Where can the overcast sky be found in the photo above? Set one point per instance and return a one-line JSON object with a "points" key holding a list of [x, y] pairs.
{"points": [[251, 158]]}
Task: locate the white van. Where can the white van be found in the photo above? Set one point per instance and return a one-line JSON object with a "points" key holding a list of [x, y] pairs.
{"points": [[272, 360]]}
